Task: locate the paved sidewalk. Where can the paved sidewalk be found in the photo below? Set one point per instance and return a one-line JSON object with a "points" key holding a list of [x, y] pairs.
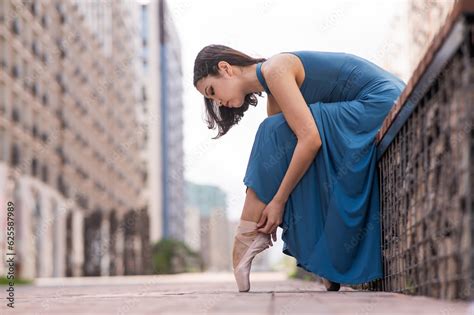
{"points": [[212, 293]]}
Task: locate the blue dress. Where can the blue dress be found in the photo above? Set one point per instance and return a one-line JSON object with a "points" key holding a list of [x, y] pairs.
{"points": [[331, 222]]}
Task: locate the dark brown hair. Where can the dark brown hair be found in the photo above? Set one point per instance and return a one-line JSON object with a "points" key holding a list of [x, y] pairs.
{"points": [[206, 64]]}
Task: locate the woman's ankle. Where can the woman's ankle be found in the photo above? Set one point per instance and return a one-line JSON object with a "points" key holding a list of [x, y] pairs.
{"points": [[246, 226]]}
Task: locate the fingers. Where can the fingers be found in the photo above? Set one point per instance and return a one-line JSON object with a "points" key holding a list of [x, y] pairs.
{"points": [[262, 220], [266, 229], [269, 228], [274, 235]]}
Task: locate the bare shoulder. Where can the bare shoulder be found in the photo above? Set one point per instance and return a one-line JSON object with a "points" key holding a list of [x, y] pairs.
{"points": [[280, 64]]}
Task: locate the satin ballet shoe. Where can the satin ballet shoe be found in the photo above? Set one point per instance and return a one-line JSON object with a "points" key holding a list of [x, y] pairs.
{"points": [[330, 285], [248, 242]]}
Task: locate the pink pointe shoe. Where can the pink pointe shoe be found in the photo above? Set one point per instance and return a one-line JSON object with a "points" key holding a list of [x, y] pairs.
{"points": [[248, 242]]}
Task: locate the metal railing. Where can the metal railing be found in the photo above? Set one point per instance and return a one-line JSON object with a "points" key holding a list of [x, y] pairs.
{"points": [[425, 165]]}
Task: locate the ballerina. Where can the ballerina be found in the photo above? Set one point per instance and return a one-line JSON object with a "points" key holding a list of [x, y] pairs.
{"points": [[312, 168]]}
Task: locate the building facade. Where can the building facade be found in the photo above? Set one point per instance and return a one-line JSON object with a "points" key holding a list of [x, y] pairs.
{"points": [[150, 114], [413, 29], [162, 104], [212, 233], [171, 89], [424, 20], [69, 138]]}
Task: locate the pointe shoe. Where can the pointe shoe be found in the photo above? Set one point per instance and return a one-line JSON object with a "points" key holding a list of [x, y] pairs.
{"points": [[330, 285], [248, 242]]}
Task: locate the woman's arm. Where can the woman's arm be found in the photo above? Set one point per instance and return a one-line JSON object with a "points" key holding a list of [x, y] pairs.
{"points": [[302, 158], [281, 80], [272, 214]]}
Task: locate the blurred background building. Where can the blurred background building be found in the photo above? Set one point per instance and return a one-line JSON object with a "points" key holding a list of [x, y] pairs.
{"points": [[212, 233], [150, 113], [69, 140], [412, 31], [171, 125], [425, 18], [162, 108], [91, 140]]}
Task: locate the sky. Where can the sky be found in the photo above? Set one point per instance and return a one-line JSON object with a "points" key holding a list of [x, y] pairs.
{"points": [[262, 28]]}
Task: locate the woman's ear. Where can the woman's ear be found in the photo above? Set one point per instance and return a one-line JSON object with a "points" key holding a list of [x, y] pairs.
{"points": [[225, 67]]}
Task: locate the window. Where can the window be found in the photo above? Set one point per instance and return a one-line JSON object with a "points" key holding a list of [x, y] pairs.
{"points": [[63, 52], [144, 97], [45, 21], [34, 131], [15, 155], [3, 11], [44, 173], [34, 167], [62, 82], [26, 76], [35, 48], [62, 185], [16, 28], [60, 153], [61, 12], [16, 115], [82, 201], [45, 58], [45, 100], [35, 89], [26, 33], [16, 71], [3, 52], [44, 137], [3, 99], [2, 144], [34, 8]]}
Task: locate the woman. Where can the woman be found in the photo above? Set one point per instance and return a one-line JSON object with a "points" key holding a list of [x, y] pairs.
{"points": [[312, 168]]}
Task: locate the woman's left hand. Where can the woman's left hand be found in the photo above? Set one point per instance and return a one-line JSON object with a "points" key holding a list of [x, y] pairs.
{"points": [[271, 218]]}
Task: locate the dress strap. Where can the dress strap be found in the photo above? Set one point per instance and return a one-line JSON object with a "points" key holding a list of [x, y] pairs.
{"points": [[261, 78]]}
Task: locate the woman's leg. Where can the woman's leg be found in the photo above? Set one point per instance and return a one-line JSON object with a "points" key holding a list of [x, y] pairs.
{"points": [[248, 242], [253, 207]]}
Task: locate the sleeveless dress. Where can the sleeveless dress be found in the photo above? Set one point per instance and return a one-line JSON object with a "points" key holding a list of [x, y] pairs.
{"points": [[331, 223]]}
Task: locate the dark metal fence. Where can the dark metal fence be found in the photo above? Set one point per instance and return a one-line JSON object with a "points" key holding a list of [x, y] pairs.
{"points": [[425, 163]]}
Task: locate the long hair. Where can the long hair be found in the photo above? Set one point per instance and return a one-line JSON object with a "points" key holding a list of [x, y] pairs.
{"points": [[206, 64]]}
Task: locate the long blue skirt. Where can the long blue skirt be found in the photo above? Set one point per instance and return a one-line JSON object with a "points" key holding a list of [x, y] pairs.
{"points": [[331, 223]]}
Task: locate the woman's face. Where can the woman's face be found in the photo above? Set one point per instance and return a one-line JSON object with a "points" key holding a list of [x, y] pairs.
{"points": [[224, 90]]}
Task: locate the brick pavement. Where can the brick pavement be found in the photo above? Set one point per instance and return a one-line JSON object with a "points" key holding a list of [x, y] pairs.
{"points": [[213, 293]]}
